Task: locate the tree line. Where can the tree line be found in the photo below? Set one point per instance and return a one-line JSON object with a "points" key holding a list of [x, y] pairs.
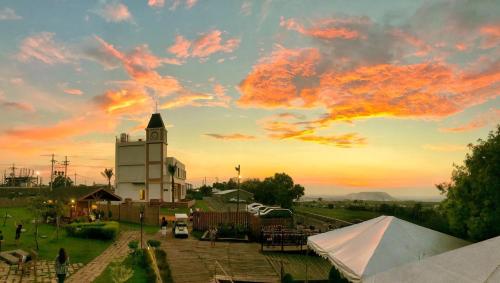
{"points": [[278, 189]]}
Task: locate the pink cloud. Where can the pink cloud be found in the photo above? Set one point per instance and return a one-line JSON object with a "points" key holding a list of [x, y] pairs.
{"points": [[205, 45], [180, 47], [73, 91], [156, 3], [44, 48], [480, 121], [114, 12], [233, 136], [333, 28]]}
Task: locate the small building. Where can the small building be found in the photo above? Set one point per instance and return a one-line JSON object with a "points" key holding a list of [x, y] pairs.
{"points": [[142, 166], [232, 196], [82, 201]]}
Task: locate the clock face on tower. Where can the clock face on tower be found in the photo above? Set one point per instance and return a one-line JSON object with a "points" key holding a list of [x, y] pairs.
{"points": [[154, 135]]}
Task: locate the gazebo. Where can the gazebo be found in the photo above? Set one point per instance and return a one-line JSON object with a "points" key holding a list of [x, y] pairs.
{"points": [[82, 200]]}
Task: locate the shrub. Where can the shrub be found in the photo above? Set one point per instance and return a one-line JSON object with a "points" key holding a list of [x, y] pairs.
{"points": [[101, 230], [154, 243], [161, 260], [133, 245], [287, 278], [330, 205]]}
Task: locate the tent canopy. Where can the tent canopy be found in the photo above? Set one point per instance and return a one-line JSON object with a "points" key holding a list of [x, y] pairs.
{"points": [[479, 262], [376, 245]]}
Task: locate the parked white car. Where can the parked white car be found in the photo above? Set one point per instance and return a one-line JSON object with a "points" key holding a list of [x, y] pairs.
{"points": [[180, 228], [251, 207]]}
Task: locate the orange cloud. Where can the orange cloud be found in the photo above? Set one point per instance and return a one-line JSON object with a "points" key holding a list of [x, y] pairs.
{"points": [[114, 12], [125, 101], [44, 48], [76, 126], [235, 136], [290, 78], [323, 30], [491, 36], [281, 79], [205, 45], [480, 121]]}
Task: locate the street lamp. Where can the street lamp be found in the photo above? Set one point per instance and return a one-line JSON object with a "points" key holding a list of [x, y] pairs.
{"points": [[238, 169]]}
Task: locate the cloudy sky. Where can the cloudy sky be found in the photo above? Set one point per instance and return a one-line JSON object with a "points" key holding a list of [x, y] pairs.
{"points": [[342, 95]]}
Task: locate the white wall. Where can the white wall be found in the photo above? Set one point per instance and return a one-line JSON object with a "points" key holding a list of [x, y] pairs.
{"points": [[154, 171], [154, 191], [154, 152], [129, 190], [134, 173]]}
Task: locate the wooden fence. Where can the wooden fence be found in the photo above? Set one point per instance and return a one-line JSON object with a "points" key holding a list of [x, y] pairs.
{"points": [[204, 220], [15, 202], [130, 212]]}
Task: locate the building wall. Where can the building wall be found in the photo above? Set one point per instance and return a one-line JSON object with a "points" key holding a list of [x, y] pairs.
{"points": [[130, 190]]}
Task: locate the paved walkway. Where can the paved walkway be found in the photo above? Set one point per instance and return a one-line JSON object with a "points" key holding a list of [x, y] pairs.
{"points": [[194, 261], [45, 272], [94, 268]]}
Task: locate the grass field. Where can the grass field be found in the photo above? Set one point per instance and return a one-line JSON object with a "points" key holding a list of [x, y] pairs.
{"points": [[77, 248], [295, 264], [339, 213], [201, 204]]}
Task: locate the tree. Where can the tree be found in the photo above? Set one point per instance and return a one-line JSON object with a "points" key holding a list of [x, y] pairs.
{"points": [[206, 190], [472, 196], [278, 189], [172, 169], [108, 174], [38, 206], [61, 181]]}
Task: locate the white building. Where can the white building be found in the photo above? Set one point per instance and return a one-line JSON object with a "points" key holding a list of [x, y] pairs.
{"points": [[142, 166]]}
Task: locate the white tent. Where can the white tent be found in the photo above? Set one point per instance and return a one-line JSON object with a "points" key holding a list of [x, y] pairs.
{"points": [[361, 250], [479, 262]]}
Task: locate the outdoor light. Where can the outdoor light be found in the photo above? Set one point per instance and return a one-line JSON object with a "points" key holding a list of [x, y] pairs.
{"points": [[72, 201]]}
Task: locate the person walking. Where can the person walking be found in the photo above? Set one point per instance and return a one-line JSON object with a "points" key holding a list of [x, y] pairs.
{"points": [[213, 235], [62, 263], [18, 233], [164, 227]]}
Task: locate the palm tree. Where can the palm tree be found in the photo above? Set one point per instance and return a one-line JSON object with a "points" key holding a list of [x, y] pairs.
{"points": [[172, 169], [108, 174]]}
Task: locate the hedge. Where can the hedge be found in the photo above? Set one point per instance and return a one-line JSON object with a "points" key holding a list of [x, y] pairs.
{"points": [[101, 230]]}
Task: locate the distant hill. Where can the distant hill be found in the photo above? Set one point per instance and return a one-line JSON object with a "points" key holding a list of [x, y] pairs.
{"points": [[373, 196]]}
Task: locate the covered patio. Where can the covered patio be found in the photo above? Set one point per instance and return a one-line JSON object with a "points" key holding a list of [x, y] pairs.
{"points": [[82, 201]]}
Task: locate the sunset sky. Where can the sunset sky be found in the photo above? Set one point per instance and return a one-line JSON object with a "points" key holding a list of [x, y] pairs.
{"points": [[344, 96]]}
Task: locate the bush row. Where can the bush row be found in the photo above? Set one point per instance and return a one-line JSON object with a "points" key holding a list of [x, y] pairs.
{"points": [[101, 230]]}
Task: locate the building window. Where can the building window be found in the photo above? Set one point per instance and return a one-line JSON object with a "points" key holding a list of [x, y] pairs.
{"points": [[142, 194]]}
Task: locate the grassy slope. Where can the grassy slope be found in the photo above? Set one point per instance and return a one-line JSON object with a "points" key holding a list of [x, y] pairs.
{"points": [[139, 276], [339, 213], [77, 248]]}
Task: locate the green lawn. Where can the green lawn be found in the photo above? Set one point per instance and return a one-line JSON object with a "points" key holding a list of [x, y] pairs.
{"points": [[339, 213], [148, 229], [77, 248], [201, 204], [140, 274]]}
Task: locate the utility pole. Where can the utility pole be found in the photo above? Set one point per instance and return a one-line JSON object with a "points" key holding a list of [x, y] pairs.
{"points": [[65, 163], [238, 169], [52, 161]]}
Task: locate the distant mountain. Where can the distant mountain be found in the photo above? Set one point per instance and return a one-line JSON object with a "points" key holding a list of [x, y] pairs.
{"points": [[373, 196]]}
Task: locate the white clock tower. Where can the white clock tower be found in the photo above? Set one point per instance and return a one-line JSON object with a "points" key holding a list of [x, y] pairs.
{"points": [[156, 153]]}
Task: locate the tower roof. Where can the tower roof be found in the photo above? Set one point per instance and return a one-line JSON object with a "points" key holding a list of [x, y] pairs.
{"points": [[156, 121]]}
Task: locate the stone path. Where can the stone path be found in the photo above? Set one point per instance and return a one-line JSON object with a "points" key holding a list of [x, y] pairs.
{"points": [[94, 268], [193, 261], [45, 272]]}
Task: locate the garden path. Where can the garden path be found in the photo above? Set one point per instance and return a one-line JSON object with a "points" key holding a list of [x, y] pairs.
{"points": [[115, 251]]}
